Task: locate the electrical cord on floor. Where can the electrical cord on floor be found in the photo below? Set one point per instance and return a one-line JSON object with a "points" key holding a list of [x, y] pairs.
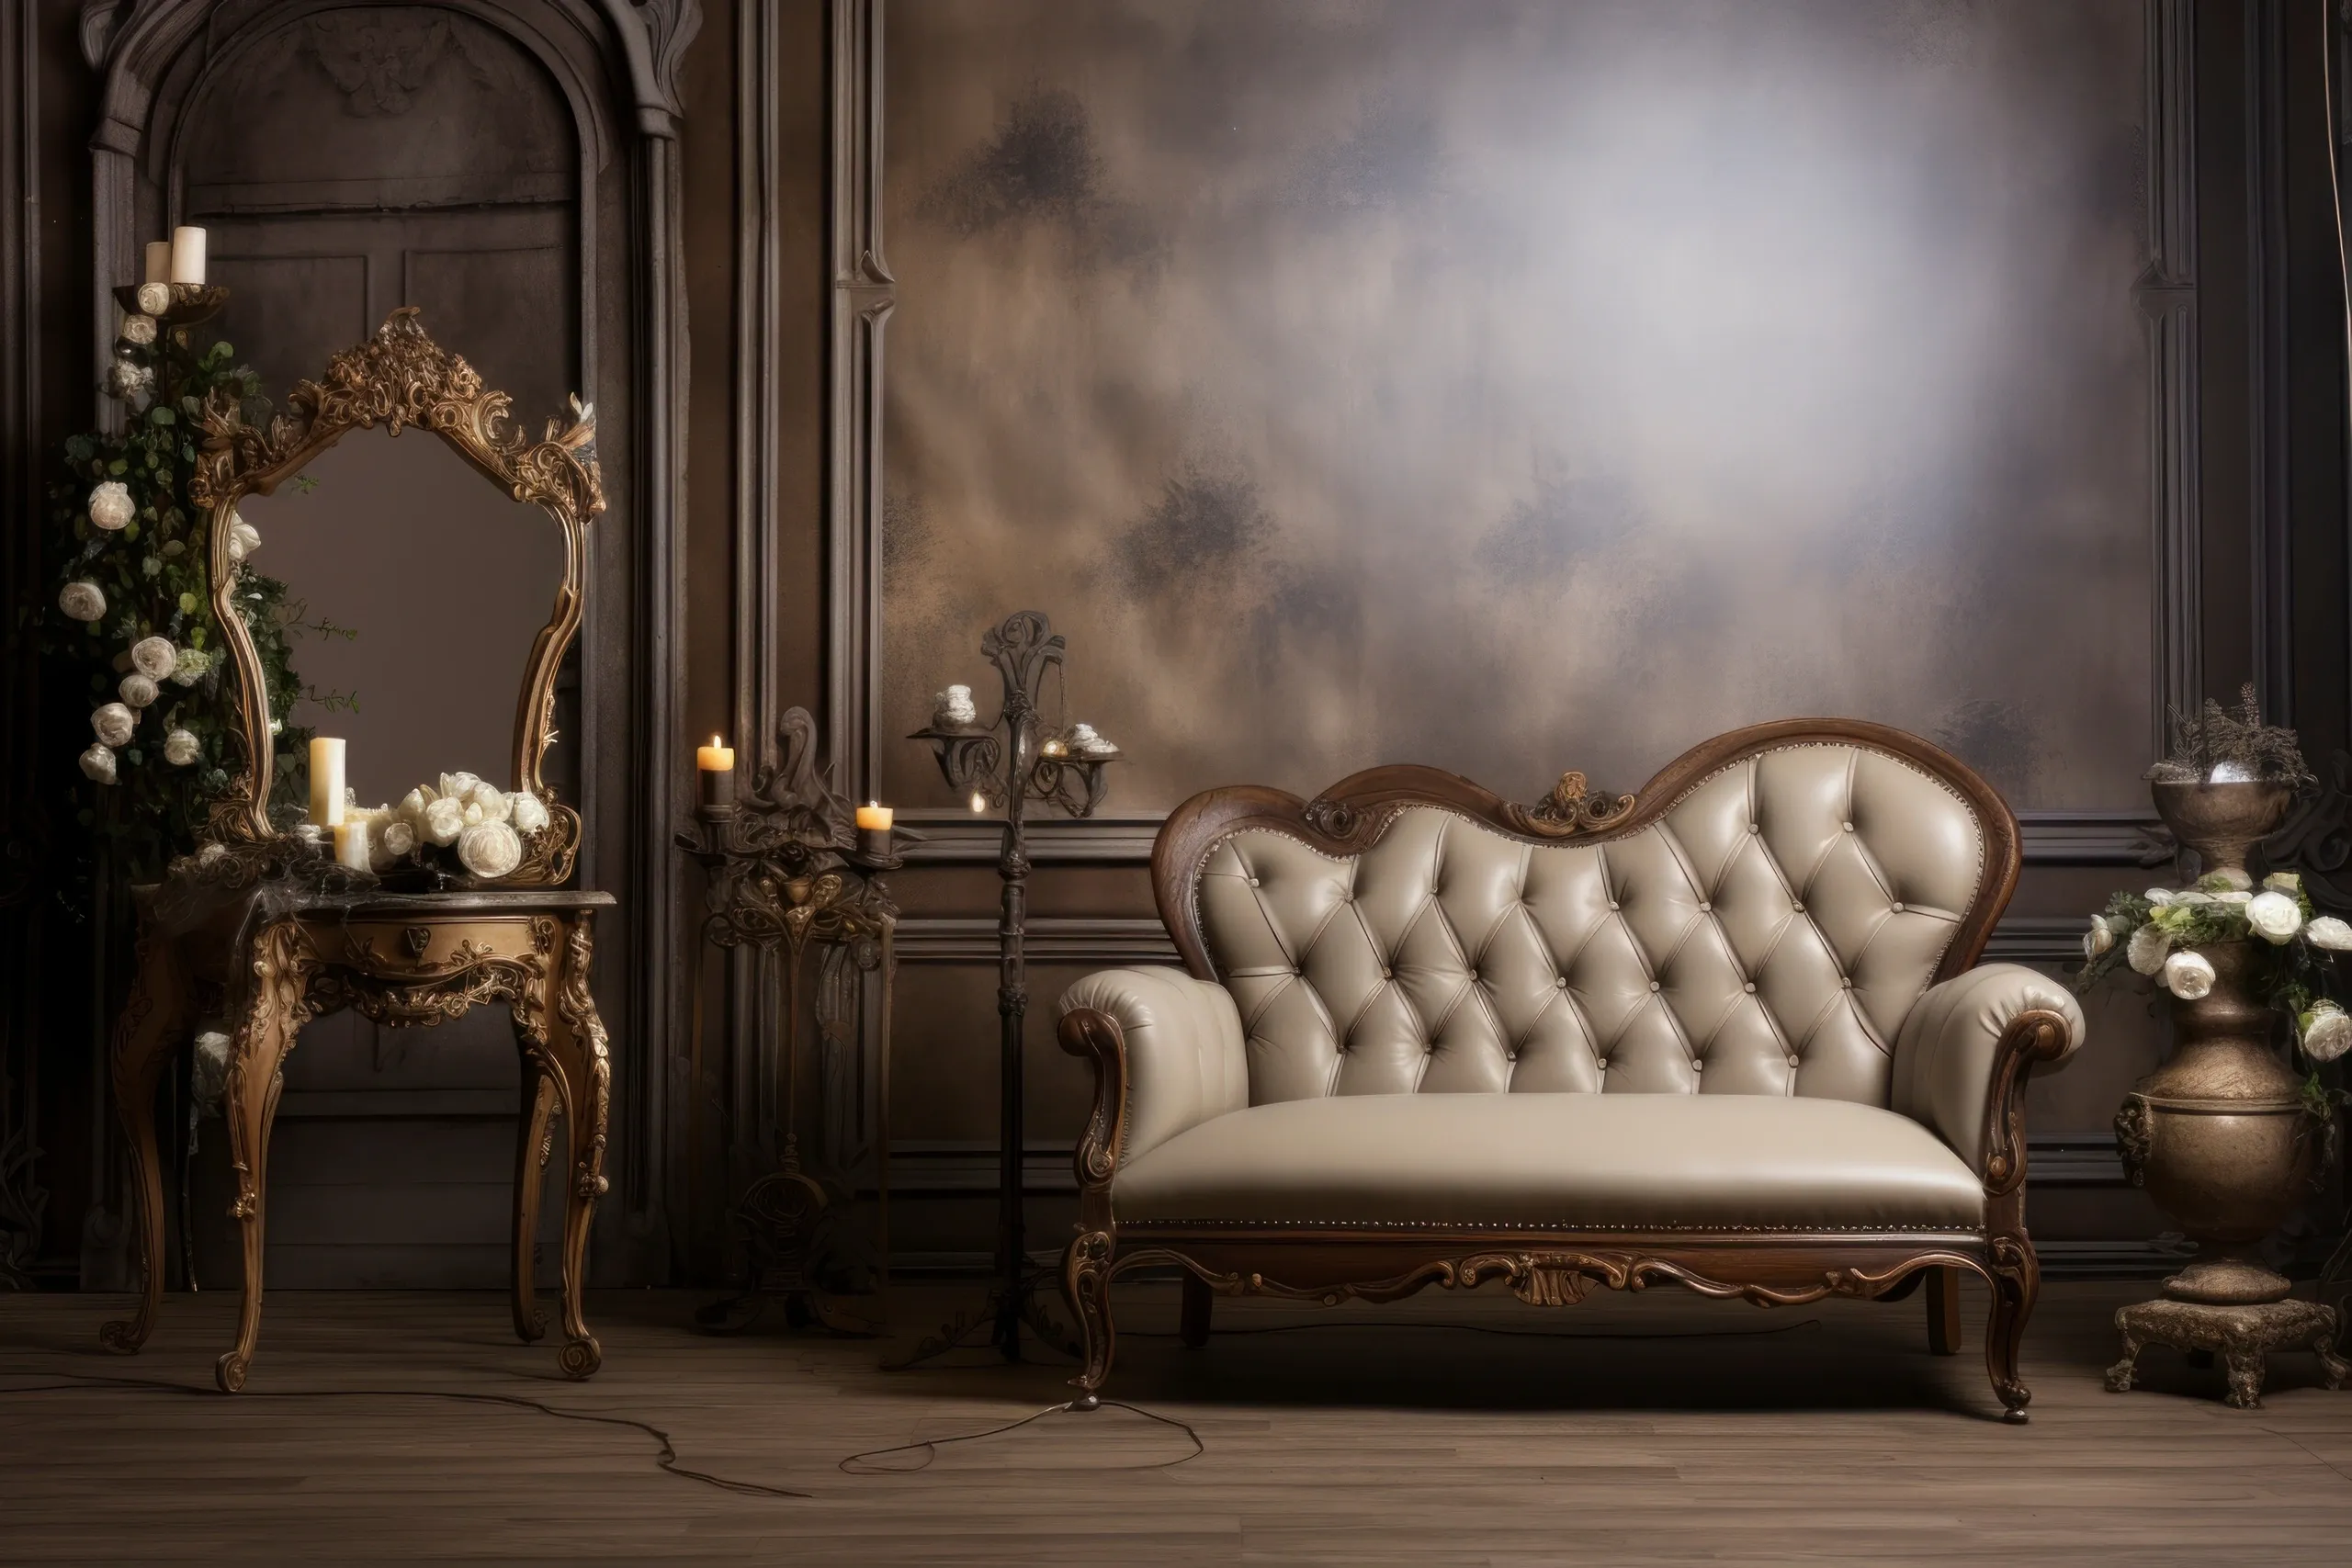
{"points": [[930, 1447], [667, 1458]]}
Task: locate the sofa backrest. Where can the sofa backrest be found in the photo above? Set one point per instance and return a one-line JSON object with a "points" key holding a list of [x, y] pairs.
{"points": [[1757, 919]]}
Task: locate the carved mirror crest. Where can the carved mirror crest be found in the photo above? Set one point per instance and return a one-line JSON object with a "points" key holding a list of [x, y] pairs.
{"points": [[401, 379]]}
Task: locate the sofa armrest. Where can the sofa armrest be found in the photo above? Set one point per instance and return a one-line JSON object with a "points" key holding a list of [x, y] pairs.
{"points": [[1168, 1056], [1962, 1056]]}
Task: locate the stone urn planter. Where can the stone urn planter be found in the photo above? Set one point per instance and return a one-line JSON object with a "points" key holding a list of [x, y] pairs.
{"points": [[2220, 1135]]}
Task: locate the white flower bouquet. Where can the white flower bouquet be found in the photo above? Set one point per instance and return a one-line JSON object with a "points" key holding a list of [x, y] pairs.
{"points": [[461, 825], [2158, 933]]}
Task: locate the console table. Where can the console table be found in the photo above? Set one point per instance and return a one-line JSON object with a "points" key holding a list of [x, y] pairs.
{"points": [[404, 960]]}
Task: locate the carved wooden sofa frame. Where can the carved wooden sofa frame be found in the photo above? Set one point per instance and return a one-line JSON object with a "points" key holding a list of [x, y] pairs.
{"points": [[1550, 1267]]}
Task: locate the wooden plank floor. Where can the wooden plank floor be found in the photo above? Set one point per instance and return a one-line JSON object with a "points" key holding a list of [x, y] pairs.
{"points": [[1669, 1429]]}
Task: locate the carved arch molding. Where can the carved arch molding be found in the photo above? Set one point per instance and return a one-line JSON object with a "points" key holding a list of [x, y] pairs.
{"points": [[616, 64]]}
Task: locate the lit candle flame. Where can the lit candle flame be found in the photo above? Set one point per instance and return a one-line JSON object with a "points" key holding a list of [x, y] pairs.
{"points": [[980, 802]]}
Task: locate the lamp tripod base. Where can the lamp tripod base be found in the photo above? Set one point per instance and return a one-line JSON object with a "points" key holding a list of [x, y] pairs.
{"points": [[996, 1325]]}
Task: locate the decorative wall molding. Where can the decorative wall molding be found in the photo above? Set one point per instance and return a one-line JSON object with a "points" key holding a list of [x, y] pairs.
{"points": [[953, 838], [2166, 294], [615, 63], [23, 1204]]}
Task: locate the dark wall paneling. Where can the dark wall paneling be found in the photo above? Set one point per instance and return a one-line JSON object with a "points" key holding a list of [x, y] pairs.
{"points": [[511, 167]]}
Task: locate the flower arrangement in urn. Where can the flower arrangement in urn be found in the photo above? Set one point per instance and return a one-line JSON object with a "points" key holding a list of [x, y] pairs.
{"points": [[2239, 1124], [461, 825]]}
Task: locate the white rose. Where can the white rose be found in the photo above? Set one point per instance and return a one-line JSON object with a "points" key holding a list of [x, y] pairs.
{"points": [[443, 820], [2096, 940], [2328, 1032], [459, 784], [398, 839], [182, 748], [138, 329], [530, 813], [2187, 896], [98, 764], [412, 805], [2285, 882], [2189, 976], [136, 690], [154, 657], [2329, 932], [189, 666], [473, 815], [2236, 879], [115, 725], [490, 850], [129, 383], [2234, 895], [111, 507], [2159, 897], [81, 600], [155, 299], [2274, 917], [244, 538], [496, 805], [2147, 949]]}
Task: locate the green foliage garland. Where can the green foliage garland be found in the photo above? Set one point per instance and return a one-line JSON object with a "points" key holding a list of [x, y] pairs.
{"points": [[153, 574]]}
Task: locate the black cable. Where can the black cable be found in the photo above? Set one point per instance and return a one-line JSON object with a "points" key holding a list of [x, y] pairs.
{"points": [[930, 1447], [667, 1460]]}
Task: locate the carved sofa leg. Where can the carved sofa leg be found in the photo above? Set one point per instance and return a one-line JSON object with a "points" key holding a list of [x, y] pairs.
{"points": [[1943, 1311], [2016, 1278], [1086, 1286], [1200, 1303]]}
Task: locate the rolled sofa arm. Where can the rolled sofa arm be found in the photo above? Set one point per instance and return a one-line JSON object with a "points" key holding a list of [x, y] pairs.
{"points": [[1168, 1056], [1962, 1056]]}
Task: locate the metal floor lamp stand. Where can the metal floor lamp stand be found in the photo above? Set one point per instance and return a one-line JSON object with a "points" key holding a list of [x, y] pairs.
{"points": [[1007, 764]]}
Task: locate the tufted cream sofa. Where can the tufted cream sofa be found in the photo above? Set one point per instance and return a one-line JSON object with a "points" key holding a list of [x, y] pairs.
{"points": [[1728, 1032]]}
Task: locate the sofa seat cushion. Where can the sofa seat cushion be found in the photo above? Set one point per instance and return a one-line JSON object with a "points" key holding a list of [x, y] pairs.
{"points": [[1555, 1161]]}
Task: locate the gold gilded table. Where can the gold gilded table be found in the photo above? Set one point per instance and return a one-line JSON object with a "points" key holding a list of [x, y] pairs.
{"points": [[400, 959]]}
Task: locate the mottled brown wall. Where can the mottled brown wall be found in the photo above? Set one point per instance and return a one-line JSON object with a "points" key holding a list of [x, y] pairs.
{"points": [[1508, 385]]}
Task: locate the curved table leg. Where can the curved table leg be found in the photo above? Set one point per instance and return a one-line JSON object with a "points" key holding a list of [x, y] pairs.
{"points": [[577, 1051], [283, 963], [153, 1020], [532, 1145]]}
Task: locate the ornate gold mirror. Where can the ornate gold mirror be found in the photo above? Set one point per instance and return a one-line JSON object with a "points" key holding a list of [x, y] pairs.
{"points": [[408, 581]]}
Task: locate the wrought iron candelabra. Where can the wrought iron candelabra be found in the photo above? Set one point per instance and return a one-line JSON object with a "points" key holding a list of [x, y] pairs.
{"points": [[1007, 764], [788, 871]]}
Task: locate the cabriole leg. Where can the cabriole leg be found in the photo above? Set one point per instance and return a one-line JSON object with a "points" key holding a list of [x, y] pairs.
{"points": [[2016, 1279], [1943, 1311], [577, 1050], [532, 1148], [283, 963], [1086, 1286], [153, 1020]]}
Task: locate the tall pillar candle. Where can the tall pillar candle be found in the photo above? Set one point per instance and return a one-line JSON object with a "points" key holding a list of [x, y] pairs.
{"points": [[326, 780], [717, 764], [187, 255]]}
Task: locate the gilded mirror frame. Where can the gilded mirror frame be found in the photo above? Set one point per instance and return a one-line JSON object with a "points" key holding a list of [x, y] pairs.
{"points": [[396, 379]]}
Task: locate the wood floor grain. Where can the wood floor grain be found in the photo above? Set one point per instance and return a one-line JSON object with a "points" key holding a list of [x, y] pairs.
{"points": [[1653, 1429]]}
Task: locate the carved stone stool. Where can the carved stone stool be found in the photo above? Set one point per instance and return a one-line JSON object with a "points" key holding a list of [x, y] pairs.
{"points": [[2243, 1335]]}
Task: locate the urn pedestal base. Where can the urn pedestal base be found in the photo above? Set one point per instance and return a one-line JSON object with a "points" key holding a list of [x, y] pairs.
{"points": [[2243, 1335]]}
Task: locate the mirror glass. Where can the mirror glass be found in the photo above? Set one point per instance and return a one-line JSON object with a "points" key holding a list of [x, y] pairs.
{"points": [[414, 589]]}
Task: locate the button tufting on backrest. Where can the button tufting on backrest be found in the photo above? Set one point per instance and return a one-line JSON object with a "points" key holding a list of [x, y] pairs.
{"points": [[1754, 925]]}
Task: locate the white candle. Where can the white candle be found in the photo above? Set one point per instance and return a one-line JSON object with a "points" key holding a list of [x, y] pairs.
{"points": [[159, 262], [351, 845], [326, 780], [187, 255]]}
